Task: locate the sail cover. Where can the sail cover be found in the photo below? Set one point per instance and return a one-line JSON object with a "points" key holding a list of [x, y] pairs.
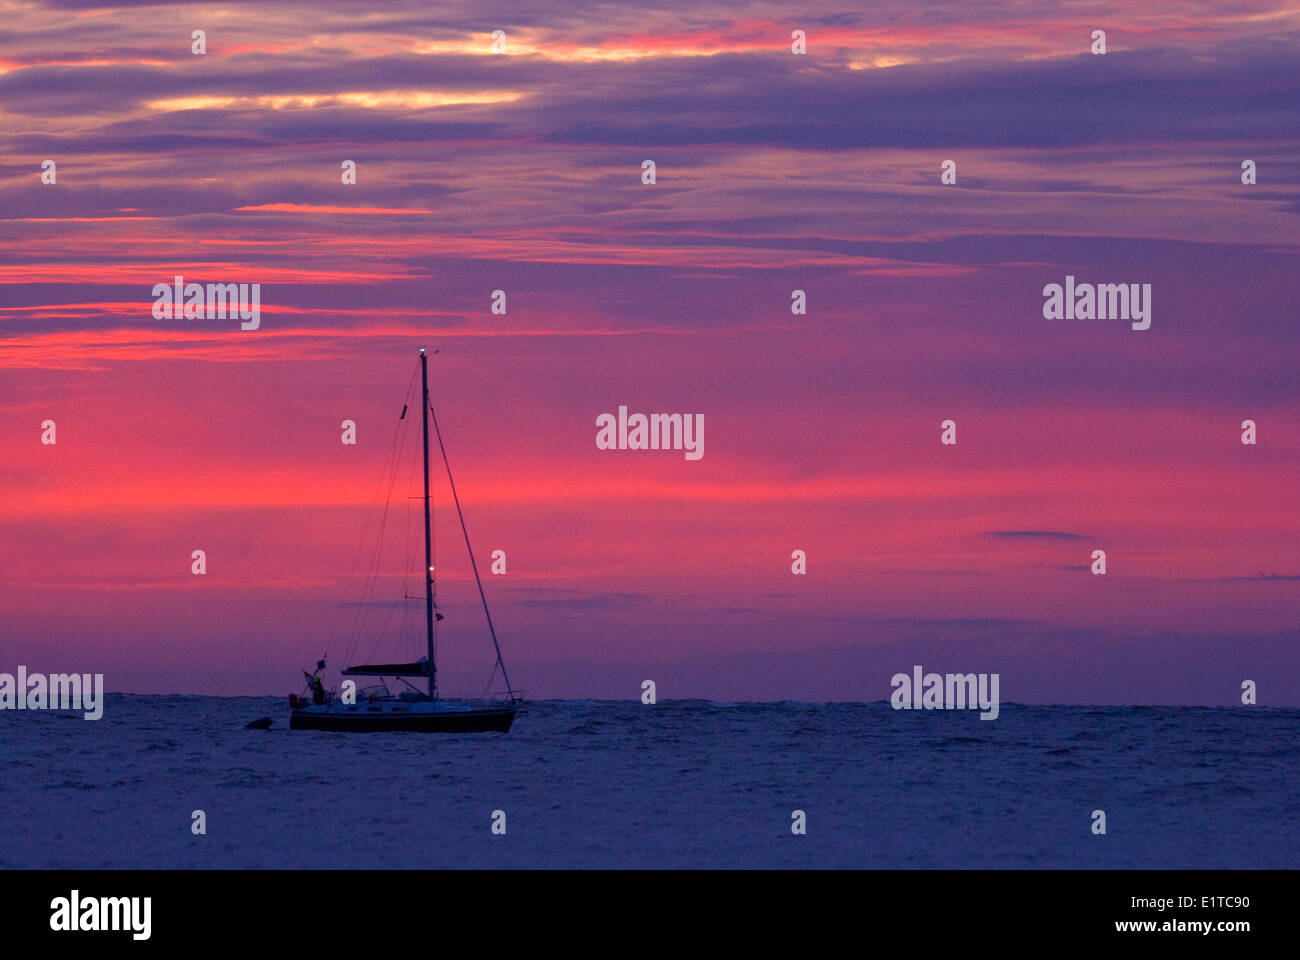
{"points": [[418, 669]]}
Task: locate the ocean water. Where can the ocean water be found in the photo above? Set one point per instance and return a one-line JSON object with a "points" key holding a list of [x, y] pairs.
{"points": [[677, 784]]}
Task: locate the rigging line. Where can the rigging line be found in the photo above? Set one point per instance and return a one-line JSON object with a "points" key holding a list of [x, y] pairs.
{"points": [[368, 586], [373, 581], [407, 644], [473, 565], [392, 608], [416, 491], [374, 500], [333, 635], [389, 463], [358, 613], [400, 601], [408, 557], [491, 677]]}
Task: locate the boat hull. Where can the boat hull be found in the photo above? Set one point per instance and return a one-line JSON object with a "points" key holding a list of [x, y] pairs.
{"points": [[483, 720]]}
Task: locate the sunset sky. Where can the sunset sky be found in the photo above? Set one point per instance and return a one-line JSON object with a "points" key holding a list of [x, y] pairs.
{"points": [[522, 172]]}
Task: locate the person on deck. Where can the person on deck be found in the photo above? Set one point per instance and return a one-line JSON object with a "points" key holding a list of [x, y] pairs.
{"points": [[317, 688]]}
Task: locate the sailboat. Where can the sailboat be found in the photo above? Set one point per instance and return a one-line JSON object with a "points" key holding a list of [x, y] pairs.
{"points": [[412, 709]]}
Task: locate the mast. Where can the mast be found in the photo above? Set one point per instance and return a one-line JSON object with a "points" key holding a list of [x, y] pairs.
{"points": [[428, 534]]}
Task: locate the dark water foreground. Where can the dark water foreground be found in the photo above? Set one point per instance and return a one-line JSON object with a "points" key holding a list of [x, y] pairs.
{"points": [[678, 784]]}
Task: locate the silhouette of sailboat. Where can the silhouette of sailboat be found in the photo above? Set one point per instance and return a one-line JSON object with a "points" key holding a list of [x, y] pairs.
{"points": [[412, 709]]}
